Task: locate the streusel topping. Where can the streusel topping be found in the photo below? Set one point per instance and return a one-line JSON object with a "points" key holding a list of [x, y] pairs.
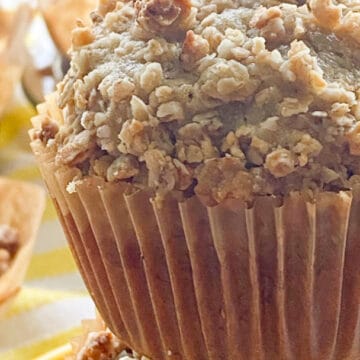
{"points": [[102, 345], [224, 98]]}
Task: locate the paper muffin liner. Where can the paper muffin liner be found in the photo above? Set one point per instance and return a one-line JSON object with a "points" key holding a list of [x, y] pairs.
{"points": [[179, 280]]}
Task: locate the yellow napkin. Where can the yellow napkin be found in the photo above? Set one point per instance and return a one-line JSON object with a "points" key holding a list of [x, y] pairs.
{"points": [[48, 310]]}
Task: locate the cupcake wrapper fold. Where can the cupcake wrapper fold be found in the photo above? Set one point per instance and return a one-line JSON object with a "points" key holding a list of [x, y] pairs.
{"points": [[178, 280]]}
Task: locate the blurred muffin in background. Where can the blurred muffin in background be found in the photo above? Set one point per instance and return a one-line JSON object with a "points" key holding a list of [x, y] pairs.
{"points": [[21, 208], [49, 60], [13, 28], [6, 18], [5, 24], [61, 16]]}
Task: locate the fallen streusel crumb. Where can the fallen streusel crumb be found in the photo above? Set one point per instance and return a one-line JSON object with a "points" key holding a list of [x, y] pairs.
{"points": [[102, 345]]}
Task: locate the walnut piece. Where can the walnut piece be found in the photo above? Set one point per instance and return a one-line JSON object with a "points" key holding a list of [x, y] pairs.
{"points": [[166, 17], [263, 16], [47, 131], [326, 13], [80, 148], [280, 163], [223, 179], [102, 345], [163, 174], [194, 48], [123, 167], [82, 36]]}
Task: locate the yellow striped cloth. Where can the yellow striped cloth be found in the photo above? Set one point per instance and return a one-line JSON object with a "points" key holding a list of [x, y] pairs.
{"points": [[48, 311]]}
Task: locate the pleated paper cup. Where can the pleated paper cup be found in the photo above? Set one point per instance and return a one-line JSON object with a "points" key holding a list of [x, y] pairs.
{"points": [[179, 280]]}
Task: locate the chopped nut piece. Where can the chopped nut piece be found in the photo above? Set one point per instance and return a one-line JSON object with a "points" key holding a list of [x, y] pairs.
{"points": [[163, 175], [170, 111], [194, 48], [123, 167], [213, 36], [225, 49], [227, 81], [326, 13], [329, 175], [293, 106], [102, 345], [48, 130], [151, 77], [280, 163], [350, 26], [121, 90], [164, 93], [307, 147], [260, 145], [303, 67], [82, 36], [78, 149], [139, 109], [166, 17], [263, 15], [134, 138], [223, 179], [101, 165]]}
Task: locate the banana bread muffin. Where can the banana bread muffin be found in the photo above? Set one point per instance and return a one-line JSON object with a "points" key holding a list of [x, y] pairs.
{"points": [[204, 160]]}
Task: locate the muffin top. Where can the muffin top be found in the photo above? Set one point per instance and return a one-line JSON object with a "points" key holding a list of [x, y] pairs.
{"points": [[222, 98]]}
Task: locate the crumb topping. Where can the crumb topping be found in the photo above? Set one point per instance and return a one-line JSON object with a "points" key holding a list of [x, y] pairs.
{"points": [[227, 98], [102, 345]]}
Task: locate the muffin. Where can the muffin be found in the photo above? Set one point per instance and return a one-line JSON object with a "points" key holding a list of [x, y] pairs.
{"points": [[13, 56], [204, 160], [21, 209]]}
